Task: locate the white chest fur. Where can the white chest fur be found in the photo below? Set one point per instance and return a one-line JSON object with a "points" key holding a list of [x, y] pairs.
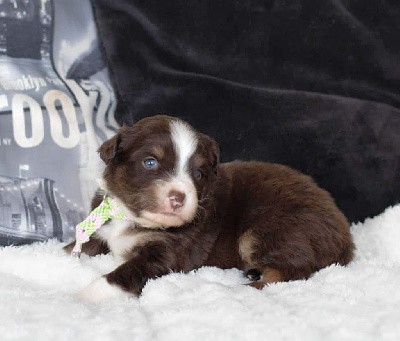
{"points": [[120, 236]]}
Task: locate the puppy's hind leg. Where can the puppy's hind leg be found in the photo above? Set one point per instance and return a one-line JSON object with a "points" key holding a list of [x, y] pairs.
{"points": [[268, 276], [252, 255], [253, 274]]}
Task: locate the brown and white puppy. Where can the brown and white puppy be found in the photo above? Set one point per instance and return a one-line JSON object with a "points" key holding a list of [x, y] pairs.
{"points": [[188, 211]]}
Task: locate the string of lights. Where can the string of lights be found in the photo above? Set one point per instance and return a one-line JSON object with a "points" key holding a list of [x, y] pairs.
{"points": [[69, 201]]}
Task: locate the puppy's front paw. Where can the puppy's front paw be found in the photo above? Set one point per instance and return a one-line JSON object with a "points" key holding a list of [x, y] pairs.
{"points": [[100, 291]]}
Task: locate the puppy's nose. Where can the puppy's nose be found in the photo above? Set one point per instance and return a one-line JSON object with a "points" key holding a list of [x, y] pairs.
{"points": [[176, 199]]}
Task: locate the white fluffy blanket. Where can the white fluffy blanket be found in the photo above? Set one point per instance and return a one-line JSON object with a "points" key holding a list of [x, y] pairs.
{"points": [[358, 302]]}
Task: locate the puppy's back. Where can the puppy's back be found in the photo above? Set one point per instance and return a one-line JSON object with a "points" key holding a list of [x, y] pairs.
{"points": [[285, 221]]}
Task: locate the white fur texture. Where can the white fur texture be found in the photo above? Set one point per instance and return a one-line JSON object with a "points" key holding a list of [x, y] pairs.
{"points": [[100, 291], [359, 302], [114, 233], [185, 143]]}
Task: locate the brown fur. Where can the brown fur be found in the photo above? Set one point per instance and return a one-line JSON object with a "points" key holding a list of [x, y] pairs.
{"points": [[251, 215]]}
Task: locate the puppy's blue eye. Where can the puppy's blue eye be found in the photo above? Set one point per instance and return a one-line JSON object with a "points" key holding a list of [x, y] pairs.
{"points": [[197, 174], [150, 163]]}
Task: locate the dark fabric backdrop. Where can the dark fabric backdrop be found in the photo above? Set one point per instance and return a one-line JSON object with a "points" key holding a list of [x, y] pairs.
{"points": [[311, 84]]}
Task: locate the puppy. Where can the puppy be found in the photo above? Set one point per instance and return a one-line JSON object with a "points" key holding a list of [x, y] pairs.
{"points": [[186, 210]]}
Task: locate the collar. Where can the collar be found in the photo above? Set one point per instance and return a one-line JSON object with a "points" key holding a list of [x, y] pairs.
{"points": [[108, 209]]}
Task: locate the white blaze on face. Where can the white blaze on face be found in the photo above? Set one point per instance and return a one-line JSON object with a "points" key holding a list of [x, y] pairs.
{"points": [[185, 143]]}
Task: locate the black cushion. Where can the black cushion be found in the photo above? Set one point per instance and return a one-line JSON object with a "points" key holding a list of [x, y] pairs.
{"points": [[311, 84]]}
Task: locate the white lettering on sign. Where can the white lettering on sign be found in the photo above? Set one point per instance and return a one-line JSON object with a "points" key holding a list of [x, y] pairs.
{"points": [[3, 101], [7, 142], [23, 105], [67, 107], [19, 123]]}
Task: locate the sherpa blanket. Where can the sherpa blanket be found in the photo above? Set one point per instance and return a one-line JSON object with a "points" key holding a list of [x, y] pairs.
{"points": [[357, 302]]}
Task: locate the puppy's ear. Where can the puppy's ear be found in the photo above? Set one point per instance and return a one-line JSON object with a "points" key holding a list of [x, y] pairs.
{"points": [[212, 148], [109, 148], [215, 155]]}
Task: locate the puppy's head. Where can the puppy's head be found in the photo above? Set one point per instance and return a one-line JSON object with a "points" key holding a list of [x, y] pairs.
{"points": [[160, 169]]}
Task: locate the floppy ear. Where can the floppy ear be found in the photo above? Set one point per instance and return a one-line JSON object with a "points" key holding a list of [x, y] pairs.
{"points": [[212, 151], [215, 154], [109, 148]]}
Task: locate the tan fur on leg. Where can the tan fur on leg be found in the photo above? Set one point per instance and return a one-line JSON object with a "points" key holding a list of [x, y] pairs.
{"points": [[269, 275]]}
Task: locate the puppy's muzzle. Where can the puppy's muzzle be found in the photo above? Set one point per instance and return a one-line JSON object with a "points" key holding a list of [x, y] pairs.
{"points": [[176, 199]]}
